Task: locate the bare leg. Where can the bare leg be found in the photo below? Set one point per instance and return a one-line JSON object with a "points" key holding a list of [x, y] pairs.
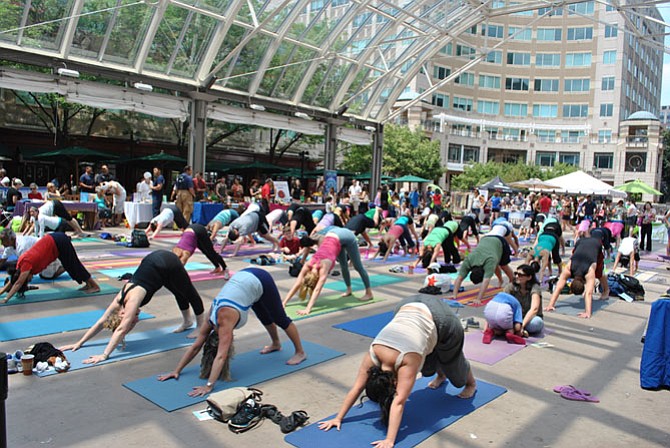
{"points": [[438, 380], [300, 355], [274, 337], [91, 286], [187, 322], [470, 386], [367, 296]]}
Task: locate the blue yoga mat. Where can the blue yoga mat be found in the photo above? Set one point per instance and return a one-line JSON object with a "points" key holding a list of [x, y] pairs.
{"points": [[118, 272], [246, 369], [59, 293], [573, 305], [28, 328], [37, 280], [357, 283], [427, 411], [137, 345]]}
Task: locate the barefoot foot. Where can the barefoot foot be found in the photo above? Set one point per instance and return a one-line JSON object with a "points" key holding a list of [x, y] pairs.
{"points": [[347, 293], [366, 298], [183, 327], [468, 392], [216, 271], [437, 382], [90, 289], [297, 359], [270, 348]]}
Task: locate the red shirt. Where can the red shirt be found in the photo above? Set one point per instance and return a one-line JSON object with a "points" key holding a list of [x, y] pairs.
{"points": [[36, 195], [437, 199], [293, 245], [545, 204], [266, 191], [38, 257]]}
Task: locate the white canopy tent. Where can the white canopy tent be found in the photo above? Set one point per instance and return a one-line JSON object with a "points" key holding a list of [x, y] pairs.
{"points": [[579, 182]]}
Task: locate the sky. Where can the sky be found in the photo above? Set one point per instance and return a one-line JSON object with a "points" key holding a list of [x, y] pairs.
{"points": [[665, 91]]}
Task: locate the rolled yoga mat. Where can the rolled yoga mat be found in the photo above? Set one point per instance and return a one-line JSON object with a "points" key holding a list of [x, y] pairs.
{"points": [[28, 328], [246, 369], [427, 411]]}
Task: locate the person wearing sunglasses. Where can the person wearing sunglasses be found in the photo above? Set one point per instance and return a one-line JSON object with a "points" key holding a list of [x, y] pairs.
{"points": [[526, 289]]}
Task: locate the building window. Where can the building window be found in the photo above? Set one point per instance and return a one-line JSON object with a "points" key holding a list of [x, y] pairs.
{"points": [[577, 85], [545, 110], [571, 136], [518, 58], [543, 158], [447, 49], [549, 34], [584, 8], [607, 83], [545, 135], [516, 110], [489, 82], [441, 72], [496, 31], [609, 8], [488, 107], [548, 60], [636, 162], [546, 85], [578, 59], [520, 33], [609, 57], [603, 160], [464, 50], [454, 155], [517, 83], [605, 136], [611, 31], [575, 110], [550, 11], [466, 79], [580, 33], [569, 158], [464, 104], [470, 154], [607, 110], [494, 57], [440, 100]]}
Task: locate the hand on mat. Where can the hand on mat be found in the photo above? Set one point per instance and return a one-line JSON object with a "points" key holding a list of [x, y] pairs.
{"points": [[200, 391], [302, 312], [73, 347], [334, 423], [382, 444], [94, 359], [168, 376], [550, 308]]}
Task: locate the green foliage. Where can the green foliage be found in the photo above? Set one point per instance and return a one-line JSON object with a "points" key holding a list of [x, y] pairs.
{"points": [[480, 173], [665, 173], [405, 152]]}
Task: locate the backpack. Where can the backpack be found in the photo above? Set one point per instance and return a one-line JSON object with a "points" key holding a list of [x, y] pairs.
{"points": [[632, 286], [295, 268], [223, 405], [180, 182], [139, 239]]}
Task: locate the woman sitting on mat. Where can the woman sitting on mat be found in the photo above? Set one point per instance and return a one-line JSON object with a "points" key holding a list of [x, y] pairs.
{"points": [[249, 288], [424, 336], [338, 243], [158, 269], [51, 247], [169, 215], [503, 317], [528, 292], [196, 236], [221, 220]]}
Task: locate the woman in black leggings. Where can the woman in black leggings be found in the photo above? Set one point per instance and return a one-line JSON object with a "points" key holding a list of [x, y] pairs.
{"points": [[158, 269], [196, 236]]}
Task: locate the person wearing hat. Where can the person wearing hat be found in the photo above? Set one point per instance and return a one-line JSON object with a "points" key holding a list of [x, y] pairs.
{"points": [[13, 195], [144, 187], [119, 194]]}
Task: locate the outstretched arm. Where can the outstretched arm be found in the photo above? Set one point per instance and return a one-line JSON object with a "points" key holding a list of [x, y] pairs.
{"points": [[298, 283], [323, 274], [96, 328], [23, 278]]}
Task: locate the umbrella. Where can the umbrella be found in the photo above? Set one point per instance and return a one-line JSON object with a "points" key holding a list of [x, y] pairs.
{"points": [[435, 187], [638, 186], [496, 184], [76, 152], [368, 176], [158, 157], [410, 178], [534, 184]]}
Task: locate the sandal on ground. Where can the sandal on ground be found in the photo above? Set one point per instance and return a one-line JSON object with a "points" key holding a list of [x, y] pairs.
{"points": [[293, 422]]}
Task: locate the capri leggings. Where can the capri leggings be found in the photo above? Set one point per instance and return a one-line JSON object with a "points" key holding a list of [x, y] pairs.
{"points": [[162, 268], [206, 247], [59, 210], [68, 257], [179, 219], [349, 244], [359, 223], [268, 308]]}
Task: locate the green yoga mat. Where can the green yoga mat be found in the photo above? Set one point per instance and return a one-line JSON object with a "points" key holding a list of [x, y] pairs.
{"points": [[88, 239], [326, 304], [45, 295], [357, 283]]}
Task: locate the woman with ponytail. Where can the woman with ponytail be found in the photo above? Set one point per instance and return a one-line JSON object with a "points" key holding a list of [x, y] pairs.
{"points": [[424, 336]]}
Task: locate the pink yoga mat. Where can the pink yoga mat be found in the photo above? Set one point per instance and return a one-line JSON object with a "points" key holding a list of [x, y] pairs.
{"points": [[201, 276], [494, 352]]}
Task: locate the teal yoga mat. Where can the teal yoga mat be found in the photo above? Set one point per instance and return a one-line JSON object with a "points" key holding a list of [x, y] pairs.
{"points": [[357, 283], [246, 369], [28, 328], [118, 272], [137, 345], [88, 239], [427, 411], [60, 293], [37, 280]]}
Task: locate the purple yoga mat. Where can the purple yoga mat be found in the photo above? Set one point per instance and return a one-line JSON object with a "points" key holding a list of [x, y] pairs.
{"points": [[141, 253], [648, 264], [496, 351]]}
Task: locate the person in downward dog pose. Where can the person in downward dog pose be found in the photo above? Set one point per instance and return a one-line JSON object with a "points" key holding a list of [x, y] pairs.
{"points": [[195, 236]]}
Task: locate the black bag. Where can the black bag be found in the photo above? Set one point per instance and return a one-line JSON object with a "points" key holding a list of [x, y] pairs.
{"points": [[180, 182], [139, 239], [632, 286], [295, 268]]}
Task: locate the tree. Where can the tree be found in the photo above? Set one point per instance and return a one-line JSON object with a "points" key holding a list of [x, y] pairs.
{"points": [[405, 151], [665, 173], [480, 173]]}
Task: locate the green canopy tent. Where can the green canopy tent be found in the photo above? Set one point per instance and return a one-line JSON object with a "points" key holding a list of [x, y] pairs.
{"points": [[410, 178], [157, 157], [77, 153], [368, 176], [638, 186]]}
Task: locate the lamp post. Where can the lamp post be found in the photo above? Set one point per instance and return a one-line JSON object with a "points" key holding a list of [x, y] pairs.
{"points": [[303, 155]]}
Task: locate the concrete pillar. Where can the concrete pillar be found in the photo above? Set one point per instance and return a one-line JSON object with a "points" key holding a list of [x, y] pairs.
{"points": [[197, 143], [377, 155], [330, 149]]}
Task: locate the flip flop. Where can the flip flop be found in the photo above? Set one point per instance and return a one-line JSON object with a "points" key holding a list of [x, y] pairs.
{"points": [[577, 395], [559, 389]]}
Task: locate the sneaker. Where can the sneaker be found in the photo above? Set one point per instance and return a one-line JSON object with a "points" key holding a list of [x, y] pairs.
{"points": [[472, 323], [248, 416], [488, 336]]}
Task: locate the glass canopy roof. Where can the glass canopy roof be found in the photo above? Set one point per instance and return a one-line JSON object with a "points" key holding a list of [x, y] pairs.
{"points": [[314, 54]]}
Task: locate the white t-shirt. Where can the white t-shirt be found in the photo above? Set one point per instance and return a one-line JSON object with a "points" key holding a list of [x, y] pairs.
{"points": [[164, 218], [628, 246], [23, 243], [355, 192], [46, 222], [47, 208]]}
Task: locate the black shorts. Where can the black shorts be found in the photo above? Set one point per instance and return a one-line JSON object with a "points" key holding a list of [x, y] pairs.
{"points": [[61, 212]]}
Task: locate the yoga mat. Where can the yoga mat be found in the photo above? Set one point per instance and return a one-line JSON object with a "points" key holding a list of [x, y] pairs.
{"points": [[137, 344], [28, 328], [325, 305], [392, 259], [111, 264], [37, 280], [357, 283], [573, 305], [467, 297], [427, 411], [115, 273], [162, 236], [249, 252], [131, 253], [246, 369], [497, 350], [88, 239], [60, 293], [201, 276], [649, 264]]}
